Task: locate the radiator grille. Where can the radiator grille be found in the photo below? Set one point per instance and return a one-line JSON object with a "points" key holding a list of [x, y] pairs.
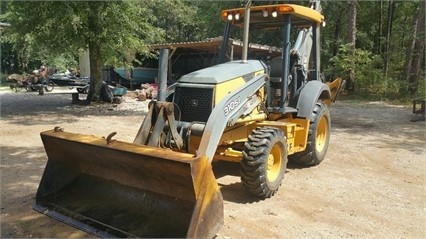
{"points": [[195, 104]]}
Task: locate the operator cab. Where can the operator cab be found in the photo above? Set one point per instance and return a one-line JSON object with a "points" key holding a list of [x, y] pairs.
{"points": [[299, 62]]}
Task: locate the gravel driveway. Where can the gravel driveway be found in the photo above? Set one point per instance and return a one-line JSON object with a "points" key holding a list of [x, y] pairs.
{"points": [[371, 184]]}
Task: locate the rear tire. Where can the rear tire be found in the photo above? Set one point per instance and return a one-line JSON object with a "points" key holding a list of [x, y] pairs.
{"points": [[49, 87], [82, 90], [318, 137], [264, 161]]}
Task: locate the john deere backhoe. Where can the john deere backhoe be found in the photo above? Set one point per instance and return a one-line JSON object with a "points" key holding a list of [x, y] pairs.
{"points": [[246, 111]]}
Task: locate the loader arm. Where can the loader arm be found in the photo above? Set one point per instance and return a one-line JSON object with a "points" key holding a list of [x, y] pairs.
{"points": [[233, 106], [150, 131]]}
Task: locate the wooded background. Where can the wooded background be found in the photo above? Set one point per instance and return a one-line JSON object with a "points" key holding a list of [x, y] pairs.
{"points": [[378, 47]]}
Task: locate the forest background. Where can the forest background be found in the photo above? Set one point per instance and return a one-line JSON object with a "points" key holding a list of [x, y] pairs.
{"points": [[378, 47]]}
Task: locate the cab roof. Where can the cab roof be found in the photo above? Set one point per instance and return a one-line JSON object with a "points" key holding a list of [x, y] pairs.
{"points": [[263, 17]]}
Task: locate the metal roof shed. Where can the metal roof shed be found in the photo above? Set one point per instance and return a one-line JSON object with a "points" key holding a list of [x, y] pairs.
{"points": [[186, 57]]}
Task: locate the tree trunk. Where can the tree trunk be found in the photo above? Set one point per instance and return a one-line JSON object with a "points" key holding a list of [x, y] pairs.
{"points": [[95, 54], [409, 52], [352, 40], [391, 10], [418, 53], [352, 22], [378, 42], [337, 29], [95, 73]]}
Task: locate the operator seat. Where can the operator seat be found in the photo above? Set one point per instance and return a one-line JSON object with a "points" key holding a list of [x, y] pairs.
{"points": [[276, 67], [276, 71]]}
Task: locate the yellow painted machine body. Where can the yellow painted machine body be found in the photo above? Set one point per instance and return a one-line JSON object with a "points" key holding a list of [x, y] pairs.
{"points": [[162, 184], [229, 147]]}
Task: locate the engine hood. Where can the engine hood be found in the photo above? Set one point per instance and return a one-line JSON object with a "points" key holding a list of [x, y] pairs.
{"points": [[224, 72]]}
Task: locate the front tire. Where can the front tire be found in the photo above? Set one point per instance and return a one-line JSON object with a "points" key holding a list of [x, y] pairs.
{"points": [[318, 137], [264, 161], [15, 87]]}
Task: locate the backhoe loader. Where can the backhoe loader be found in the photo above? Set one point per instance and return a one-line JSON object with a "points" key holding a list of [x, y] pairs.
{"points": [[244, 111]]}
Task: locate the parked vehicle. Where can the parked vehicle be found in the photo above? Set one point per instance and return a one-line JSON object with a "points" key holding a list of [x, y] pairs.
{"points": [[71, 80], [31, 83], [18, 82], [139, 76], [35, 81]]}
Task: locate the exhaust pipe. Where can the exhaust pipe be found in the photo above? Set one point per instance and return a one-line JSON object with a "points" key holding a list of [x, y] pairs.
{"points": [[246, 32]]}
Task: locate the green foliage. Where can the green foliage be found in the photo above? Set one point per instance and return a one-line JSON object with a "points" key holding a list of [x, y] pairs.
{"points": [[370, 53], [422, 89], [63, 28], [368, 77], [64, 61], [53, 32], [343, 61], [3, 78], [176, 18], [208, 16]]}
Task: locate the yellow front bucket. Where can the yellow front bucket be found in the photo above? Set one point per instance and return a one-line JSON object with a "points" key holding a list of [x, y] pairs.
{"points": [[116, 189]]}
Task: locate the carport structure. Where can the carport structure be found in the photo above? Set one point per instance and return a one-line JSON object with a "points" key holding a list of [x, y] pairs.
{"points": [[186, 57]]}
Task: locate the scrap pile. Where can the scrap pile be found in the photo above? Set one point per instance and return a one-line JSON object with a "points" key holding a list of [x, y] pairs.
{"points": [[147, 91]]}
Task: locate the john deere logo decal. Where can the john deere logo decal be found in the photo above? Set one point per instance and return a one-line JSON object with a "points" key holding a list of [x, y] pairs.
{"points": [[194, 103]]}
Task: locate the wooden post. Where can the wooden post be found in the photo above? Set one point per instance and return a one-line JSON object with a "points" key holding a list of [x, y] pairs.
{"points": [[75, 98]]}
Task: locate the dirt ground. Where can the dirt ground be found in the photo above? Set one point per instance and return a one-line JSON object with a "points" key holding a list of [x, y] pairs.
{"points": [[371, 184]]}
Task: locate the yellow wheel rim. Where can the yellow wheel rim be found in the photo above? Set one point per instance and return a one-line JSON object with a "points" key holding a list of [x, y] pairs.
{"points": [[274, 163], [322, 134]]}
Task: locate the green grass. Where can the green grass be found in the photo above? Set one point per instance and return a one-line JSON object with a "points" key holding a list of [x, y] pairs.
{"points": [[4, 86]]}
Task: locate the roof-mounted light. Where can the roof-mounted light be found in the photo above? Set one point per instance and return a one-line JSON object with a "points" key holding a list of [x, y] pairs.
{"points": [[224, 15], [274, 13], [231, 15], [265, 13], [285, 8]]}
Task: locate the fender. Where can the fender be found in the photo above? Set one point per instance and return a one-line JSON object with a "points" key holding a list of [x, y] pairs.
{"points": [[310, 94]]}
